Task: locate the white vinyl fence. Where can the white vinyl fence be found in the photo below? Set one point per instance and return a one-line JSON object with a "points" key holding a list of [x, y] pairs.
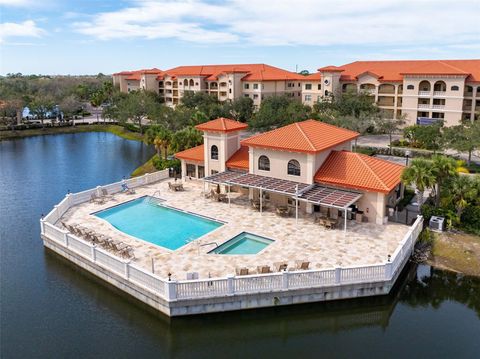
{"points": [[217, 287]]}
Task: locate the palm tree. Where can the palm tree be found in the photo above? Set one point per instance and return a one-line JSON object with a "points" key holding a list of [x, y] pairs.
{"points": [[462, 191], [186, 138], [420, 174], [160, 137], [443, 168]]}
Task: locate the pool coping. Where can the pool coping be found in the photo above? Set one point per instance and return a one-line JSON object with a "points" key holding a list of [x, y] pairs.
{"points": [[222, 223], [246, 254]]}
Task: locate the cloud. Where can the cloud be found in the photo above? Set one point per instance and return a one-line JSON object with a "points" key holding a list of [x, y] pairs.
{"points": [[287, 23], [27, 28], [19, 3]]}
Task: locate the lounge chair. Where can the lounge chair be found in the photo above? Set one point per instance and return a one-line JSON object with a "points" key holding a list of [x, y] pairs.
{"points": [[118, 246], [95, 199], [263, 269], [241, 271], [302, 265], [127, 252], [280, 266]]}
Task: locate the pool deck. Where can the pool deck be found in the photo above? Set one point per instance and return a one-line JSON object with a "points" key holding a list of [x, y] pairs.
{"points": [[362, 244]]}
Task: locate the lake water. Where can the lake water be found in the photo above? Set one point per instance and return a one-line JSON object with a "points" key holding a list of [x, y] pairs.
{"points": [[50, 309]]}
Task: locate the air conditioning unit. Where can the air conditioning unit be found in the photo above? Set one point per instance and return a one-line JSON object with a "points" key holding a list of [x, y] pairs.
{"points": [[436, 223]]}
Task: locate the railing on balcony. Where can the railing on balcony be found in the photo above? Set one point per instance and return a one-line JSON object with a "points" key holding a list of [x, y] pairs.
{"points": [[438, 107], [423, 105], [424, 121], [424, 93], [439, 93]]}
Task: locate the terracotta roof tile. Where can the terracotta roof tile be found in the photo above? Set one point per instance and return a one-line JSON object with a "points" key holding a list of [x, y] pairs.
{"points": [[358, 171], [309, 136], [253, 72], [222, 125], [394, 70], [192, 154], [239, 160]]}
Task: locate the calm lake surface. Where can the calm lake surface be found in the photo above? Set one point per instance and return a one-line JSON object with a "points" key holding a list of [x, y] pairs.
{"points": [[50, 309]]}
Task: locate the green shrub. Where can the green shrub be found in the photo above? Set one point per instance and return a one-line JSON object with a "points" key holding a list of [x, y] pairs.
{"points": [[161, 163], [471, 219], [429, 210]]}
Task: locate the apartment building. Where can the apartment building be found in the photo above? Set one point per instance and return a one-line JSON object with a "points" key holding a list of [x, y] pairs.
{"points": [[422, 91], [226, 82]]}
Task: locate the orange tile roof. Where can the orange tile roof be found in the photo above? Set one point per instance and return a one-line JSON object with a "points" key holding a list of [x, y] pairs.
{"points": [[358, 171], [394, 70], [253, 72], [331, 69], [239, 160], [222, 125], [192, 154], [309, 136]]}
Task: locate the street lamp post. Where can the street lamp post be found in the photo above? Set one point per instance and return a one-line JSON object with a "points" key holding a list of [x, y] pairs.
{"points": [[407, 155]]}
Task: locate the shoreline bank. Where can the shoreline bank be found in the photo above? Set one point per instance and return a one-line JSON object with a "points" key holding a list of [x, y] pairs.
{"points": [[114, 129]]}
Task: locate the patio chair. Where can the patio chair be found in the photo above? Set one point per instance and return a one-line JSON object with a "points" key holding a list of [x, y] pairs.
{"points": [[280, 266], [107, 243], [241, 271], [105, 194], [209, 194], [263, 269], [302, 265], [282, 211], [95, 199], [118, 246]]}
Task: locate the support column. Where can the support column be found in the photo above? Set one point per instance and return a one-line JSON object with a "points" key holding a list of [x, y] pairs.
{"points": [[296, 204], [261, 201], [345, 225]]}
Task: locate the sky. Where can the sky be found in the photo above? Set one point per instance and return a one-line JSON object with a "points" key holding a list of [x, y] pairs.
{"points": [[92, 36]]}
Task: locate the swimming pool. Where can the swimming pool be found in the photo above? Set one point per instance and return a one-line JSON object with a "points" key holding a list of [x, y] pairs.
{"points": [[150, 221], [244, 243]]}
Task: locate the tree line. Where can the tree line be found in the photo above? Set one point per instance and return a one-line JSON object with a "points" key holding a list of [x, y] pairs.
{"points": [[45, 94]]}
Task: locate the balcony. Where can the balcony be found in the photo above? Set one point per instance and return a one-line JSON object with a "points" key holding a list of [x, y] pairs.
{"points": [[424, 93], [439, 93], [423, 105], [438, 107]]}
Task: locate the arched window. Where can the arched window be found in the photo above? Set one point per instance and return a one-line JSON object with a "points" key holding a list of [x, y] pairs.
{"points": [[454, 88], [191, 82], [410, 87], [214, 152], [293, 168], [185, 82], [263, 163]]}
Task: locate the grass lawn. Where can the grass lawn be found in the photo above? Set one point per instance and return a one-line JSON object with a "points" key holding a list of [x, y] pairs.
{"points": [[458, 252], [147, 167], [115, 129]]}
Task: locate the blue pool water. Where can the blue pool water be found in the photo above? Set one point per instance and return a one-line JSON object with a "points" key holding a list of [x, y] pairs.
{"points": [[157, 224], [244, 243]]}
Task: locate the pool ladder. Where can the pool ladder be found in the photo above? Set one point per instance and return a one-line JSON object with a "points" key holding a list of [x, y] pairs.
{"points": [[207, 244], [153, 199]]}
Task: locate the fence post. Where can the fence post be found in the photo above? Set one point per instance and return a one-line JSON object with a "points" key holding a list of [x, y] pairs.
{"points": [[65, 238], [42, 226], [171, 290], [285, 280], [93, 253], [230, 285], [338, 275], [127, 270], [388, 270], [147, 178]]}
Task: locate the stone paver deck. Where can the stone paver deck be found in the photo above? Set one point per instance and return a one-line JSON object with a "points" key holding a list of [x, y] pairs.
{"points": [[362, 244]]}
